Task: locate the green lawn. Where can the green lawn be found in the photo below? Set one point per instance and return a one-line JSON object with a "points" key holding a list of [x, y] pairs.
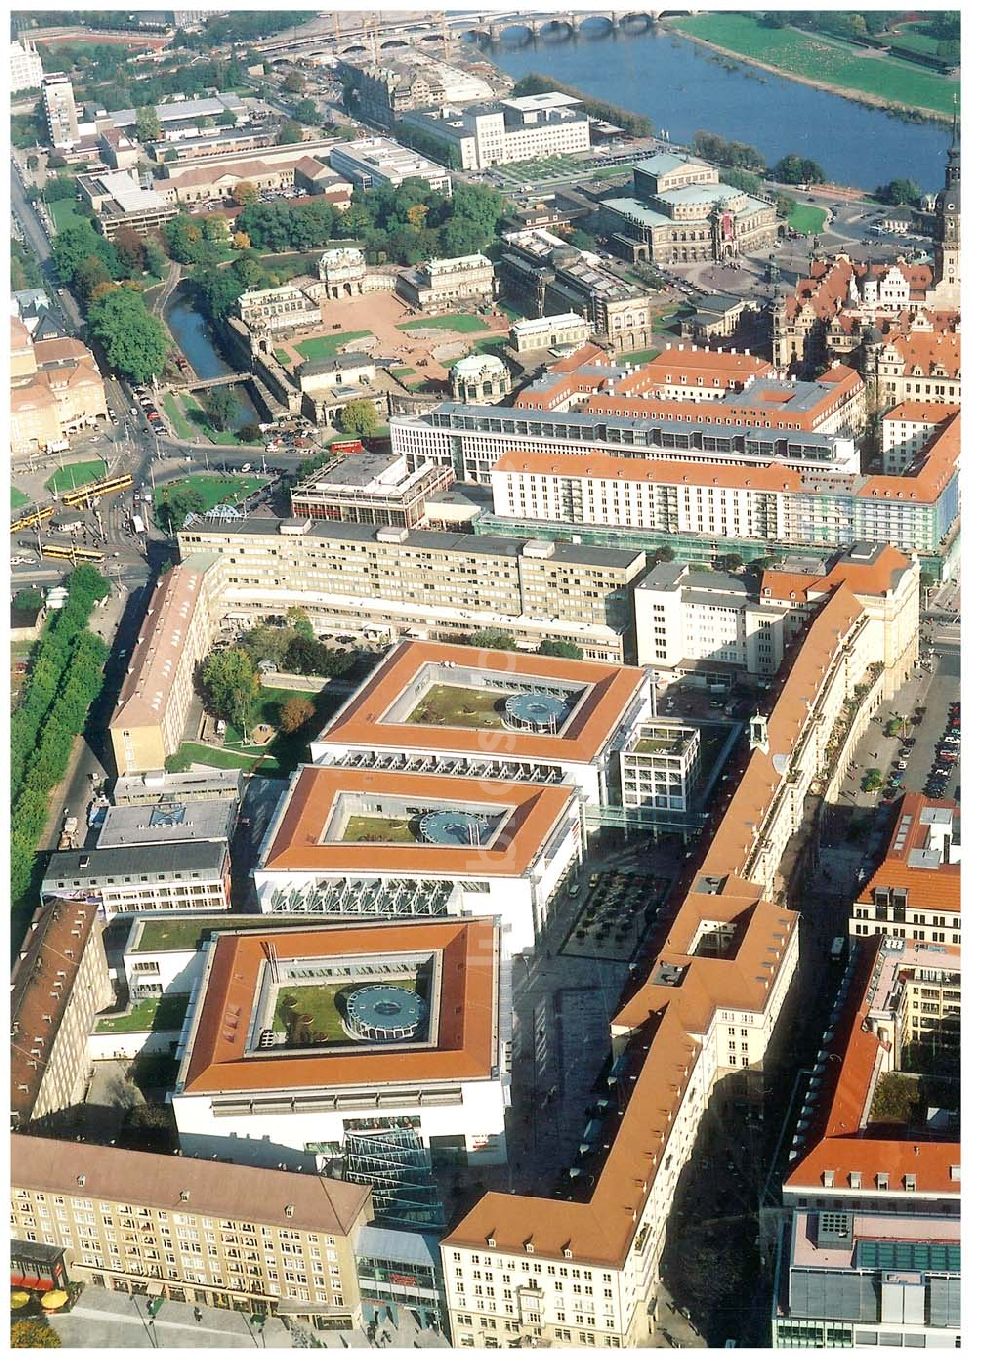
{"points": [[17, 499], [460, 321], [610, 172], [64, 212], [282, 356], [266, 710], [216, 487], [813, 57], [402, 373], [323, 347], [76, 475], [366, 828], [807, 219], [178, 933], [292, 263], [320, 1002], [639, 356], [460, 706], [197, 418], [913, 37], [201, 754], [178, 419], [161, 1014], [282, 754], [511, 313]]}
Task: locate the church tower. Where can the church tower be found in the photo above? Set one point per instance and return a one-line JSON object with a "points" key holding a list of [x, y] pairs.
{"points": [[947, 230]]}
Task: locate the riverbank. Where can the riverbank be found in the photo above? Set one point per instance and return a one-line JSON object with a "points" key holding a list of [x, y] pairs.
{"points": [[681, 28]]}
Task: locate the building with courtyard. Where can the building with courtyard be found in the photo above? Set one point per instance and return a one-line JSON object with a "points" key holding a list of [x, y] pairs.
{"points": [[366, 843], [497, 716], [371, 1052]]}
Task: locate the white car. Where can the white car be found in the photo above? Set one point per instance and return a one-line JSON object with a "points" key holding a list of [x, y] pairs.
{"points": [[246, 468]]}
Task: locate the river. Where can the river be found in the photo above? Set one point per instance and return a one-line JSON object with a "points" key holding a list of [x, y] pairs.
{"points": [[682, 87], [193, 334]]}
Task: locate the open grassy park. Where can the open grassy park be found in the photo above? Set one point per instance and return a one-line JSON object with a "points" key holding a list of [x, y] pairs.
{"points": [[189, 420], [825, 61], [324, 347], [76, 475], [64, 212], [17, 499], [807, 219], [216, 487]]}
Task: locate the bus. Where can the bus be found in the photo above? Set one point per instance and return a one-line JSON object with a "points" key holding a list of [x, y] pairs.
{"points": [[107, 487], [75, 553], [32, 518], [138, 525]]}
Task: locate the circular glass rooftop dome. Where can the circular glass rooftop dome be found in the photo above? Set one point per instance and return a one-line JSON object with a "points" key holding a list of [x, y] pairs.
{"points": [[385, 1012], [474, 366], [534, 712], [453, 828]]}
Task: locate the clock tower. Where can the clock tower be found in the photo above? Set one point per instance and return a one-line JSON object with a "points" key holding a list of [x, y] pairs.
{"points": [[947, 230]]}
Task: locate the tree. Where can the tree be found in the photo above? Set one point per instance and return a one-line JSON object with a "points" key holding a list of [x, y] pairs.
{"points": [[56, 160], [872, 780], [247, 434], [300, 622], [227, 119], [294, 83], [78, 241], [732, 563], [231, 686], [295, 712], [147, 124], [268, 641], [33, 1333], [289, 132], [88, 276], [221, 407], [795, 170], [155, 258], [177, 502], [241, 241], [898, 192], [59, 187], [310, 658], [131, 247], [492, 638], [134, 341], [245, 193], [559, 648], [359, 417], [305, 111]]}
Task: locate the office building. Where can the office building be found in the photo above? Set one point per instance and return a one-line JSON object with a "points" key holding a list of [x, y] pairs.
{"points": [[370, 489], [715, 627], [182, 787], [370, 844], [162, 877], [500, 131], [661, 764], [679, 212], [273, 1072], [426, 582], [544, 274], [25, 66], [426, 707], [915, 891], [442, 283], [119, 200], [59, 983], [371, 161], [213, 1234], [59, 105]]}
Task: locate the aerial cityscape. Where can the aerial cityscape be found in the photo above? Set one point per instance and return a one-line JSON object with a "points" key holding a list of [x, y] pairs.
{"points": [[485, 826]]}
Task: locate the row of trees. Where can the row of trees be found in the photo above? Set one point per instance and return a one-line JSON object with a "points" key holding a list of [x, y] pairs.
{"points": [[502, 639], [295, 648], [745, 166], [66, 677]]}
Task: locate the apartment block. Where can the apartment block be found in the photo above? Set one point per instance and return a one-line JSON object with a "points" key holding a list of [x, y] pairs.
{"points": [[915, 891], [175, 636], [59, 983], [870, 1251], [424, 582], [25, 66], [908, 429], [59, 104], [215, 1234]]}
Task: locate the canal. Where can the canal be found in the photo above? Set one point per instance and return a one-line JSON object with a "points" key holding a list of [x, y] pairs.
{"points": [[197, 342], [683, 87]]}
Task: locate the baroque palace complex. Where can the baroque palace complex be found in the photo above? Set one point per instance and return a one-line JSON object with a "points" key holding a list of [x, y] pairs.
{"points": [[504, 914]]}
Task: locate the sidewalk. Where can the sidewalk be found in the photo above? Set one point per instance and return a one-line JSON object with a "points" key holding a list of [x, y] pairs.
{"points": [[103, 1319]]}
